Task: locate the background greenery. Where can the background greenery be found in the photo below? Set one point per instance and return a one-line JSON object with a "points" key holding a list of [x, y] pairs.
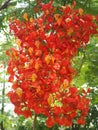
{"points": [[86, 63]]}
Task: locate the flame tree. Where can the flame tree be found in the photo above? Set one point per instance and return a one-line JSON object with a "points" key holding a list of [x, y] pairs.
{"points": [[40, 67]]}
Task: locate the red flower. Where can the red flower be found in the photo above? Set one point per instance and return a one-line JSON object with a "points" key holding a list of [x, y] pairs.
{"points": [[81, 121], [41, 69], [50, 122]]}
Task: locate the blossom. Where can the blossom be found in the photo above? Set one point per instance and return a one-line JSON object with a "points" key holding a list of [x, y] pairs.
{"points": [[40, 67]]}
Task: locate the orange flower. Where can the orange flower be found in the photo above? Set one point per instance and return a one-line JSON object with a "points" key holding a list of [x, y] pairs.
{"points": [[25, 16]]}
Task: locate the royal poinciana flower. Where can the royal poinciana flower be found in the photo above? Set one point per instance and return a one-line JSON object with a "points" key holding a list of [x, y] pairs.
{"points": [[40, 67]]}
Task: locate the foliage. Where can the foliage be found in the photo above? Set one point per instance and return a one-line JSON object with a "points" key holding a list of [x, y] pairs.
{"points": [[92, 57]]}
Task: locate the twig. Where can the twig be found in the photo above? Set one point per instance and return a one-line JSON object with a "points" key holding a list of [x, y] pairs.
{"points": [[5, 5]]}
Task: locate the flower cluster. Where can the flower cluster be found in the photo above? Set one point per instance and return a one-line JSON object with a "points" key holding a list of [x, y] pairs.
{"points": [[40, 67]]}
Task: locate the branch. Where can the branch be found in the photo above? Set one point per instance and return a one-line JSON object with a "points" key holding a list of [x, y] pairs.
{"points": [[64, 2], [34, 122], [5, 5]]}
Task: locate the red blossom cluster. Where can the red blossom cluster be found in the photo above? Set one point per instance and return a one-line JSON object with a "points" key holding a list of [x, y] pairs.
{"points": [[40, 67]]}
